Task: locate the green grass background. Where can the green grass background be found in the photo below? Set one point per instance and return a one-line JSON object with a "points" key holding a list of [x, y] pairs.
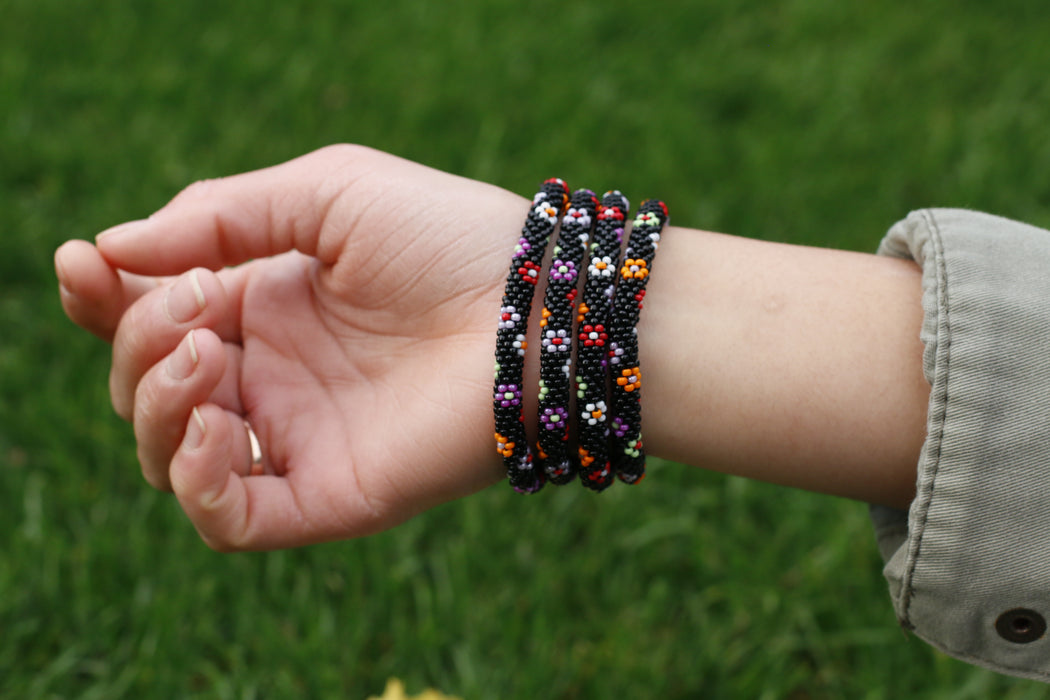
{"points": [[809, 121]]}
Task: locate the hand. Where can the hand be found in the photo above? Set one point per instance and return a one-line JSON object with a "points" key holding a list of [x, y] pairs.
{"points": [[344, 304]]}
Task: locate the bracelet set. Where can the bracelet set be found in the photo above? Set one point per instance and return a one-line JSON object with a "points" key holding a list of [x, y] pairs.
{"points": [[599, 334]]}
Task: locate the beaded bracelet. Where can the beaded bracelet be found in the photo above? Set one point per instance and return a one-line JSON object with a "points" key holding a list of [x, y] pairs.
{"points": [[556, 333], [511, 441], [593, 339], [628, 456]]}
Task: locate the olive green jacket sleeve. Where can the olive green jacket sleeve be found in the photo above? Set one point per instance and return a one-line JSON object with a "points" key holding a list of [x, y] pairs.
{"points": [[968, 564]]}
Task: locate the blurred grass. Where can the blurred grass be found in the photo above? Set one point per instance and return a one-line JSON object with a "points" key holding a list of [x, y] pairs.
{"points": [[808, 121]]}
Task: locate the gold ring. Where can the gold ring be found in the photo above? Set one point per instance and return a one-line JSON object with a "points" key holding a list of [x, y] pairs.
{"points": [[256, 467]]}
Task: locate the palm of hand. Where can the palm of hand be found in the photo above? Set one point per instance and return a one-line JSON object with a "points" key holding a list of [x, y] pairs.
{"points": [[361, 406]]}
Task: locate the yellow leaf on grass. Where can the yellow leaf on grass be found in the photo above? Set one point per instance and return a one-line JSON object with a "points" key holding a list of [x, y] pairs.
{"points": [[395, 690]]}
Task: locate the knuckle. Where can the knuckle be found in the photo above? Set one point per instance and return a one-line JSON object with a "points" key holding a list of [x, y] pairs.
{"points": [[137, 325], [160, 483], [345, 151], [221, 522], [199, 189], [154, 476], [225, 542], [218, 544], [146, 412], [123, 405], [348, 164]]}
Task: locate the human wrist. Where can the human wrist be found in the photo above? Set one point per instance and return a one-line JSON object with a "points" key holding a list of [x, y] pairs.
{"points": [[790, 364]]}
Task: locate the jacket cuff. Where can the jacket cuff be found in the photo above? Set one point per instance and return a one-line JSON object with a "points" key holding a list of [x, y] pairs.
{"points": [[969, 564]]}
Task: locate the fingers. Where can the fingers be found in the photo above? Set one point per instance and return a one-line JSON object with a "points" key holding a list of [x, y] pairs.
{"points": [[151, 328], [224, 222], [232, 512], [93, 294], [167, 394], [202, 368]]}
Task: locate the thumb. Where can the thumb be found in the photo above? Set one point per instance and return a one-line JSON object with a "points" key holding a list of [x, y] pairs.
{"points": [[228, 221]]}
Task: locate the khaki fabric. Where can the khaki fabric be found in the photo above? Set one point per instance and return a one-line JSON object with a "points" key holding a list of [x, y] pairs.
{"points": [[975, 543]]}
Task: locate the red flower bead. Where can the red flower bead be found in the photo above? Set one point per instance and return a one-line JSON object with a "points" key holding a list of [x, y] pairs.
{"points": [[530, 272], [593, 335]]}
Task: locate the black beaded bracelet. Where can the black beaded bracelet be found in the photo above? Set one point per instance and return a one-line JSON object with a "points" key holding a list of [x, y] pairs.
{"points": [[628, 455], [556, 332], [592, 342], [511, 440]]}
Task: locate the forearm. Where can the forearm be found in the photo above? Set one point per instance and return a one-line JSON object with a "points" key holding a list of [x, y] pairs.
{"points": [[794, 365]]}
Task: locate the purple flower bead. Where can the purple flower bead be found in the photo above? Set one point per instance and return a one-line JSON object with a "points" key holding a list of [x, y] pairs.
{"points": [[554, 418], [563, 270], [508, 395]]}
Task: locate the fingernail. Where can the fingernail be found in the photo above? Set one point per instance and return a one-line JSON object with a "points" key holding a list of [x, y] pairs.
{"points": [[113, 232], [184, 360], [185, 299], [195, 430]]}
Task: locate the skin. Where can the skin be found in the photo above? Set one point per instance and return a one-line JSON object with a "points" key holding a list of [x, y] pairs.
{"points": [[345, 303]]}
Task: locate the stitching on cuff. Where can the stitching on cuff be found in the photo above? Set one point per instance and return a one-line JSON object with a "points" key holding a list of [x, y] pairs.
{"points": [[917, 518]]}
